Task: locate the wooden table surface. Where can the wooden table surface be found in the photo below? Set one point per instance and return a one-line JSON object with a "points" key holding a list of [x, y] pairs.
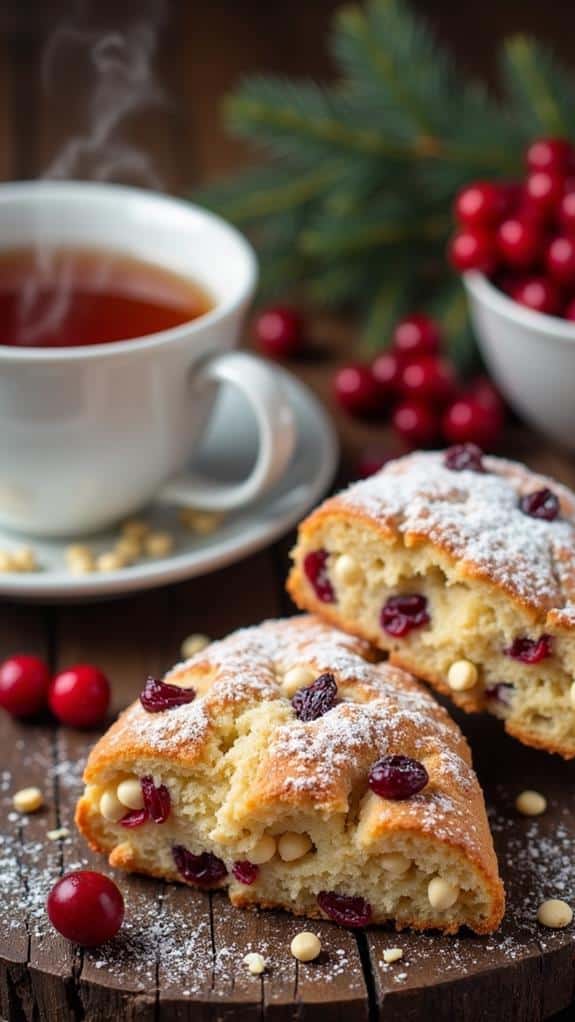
{"points": [[130, 638]]}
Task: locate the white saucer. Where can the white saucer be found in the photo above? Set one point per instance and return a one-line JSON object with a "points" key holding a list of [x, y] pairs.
{"points": [[228, 452]]}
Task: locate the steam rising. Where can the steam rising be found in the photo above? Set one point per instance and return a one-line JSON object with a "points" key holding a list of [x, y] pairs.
{"points": [[121, 65]]}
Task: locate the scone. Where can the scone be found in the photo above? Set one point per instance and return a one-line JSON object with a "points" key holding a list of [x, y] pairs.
{"points": [[285, 765], [462, 568]]}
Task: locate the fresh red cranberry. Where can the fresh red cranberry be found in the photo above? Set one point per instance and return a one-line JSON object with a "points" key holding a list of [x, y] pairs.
{"points": [[86, 907], [539, 294], [315, 700], [473, 250], [530, 651], [500, 692], [483, 390], [512, 193], [157, 800], [345, 910], [428, 379], [415, 423], [386, 370], [541, 504], [518, 242], [544, 189], [566, 212], [356, 390], [370, 462], [159, 695], [480, 204], [135, 818], [80, 696], [24, 684], [204, 869], [416, 335], [551, 154], [560, 260], [468, 421], [245, 872], [397, 777], [279, 332], [464, 458], [315, 570], [569, 312], [401, 614]]}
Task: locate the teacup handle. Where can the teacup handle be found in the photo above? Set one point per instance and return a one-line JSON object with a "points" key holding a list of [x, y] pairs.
{"points": [[262, 387]]}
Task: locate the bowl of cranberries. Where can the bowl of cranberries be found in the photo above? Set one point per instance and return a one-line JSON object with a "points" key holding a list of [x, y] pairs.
{"points": [[515, 247]]}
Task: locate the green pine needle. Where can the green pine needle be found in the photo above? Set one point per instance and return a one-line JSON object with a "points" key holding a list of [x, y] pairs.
{"points": [[355, 205]]}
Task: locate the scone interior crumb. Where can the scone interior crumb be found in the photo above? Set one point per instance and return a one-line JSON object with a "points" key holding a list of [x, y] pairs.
{"points": [[469, 621]]}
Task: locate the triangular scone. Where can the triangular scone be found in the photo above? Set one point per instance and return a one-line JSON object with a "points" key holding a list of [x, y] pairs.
{"points": [[462, 568], [274, 803]]}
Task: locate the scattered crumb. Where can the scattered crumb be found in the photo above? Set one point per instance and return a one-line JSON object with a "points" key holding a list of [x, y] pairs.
{"points": [[28, 800], [57, 835], [255, 962]]}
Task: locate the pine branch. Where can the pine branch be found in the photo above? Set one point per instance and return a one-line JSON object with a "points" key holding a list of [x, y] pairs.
{"points": [[356, 203], [267, 191], [541, 90]]}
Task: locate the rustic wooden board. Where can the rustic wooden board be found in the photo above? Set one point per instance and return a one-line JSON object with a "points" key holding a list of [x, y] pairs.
{"points": [[180, 953]]}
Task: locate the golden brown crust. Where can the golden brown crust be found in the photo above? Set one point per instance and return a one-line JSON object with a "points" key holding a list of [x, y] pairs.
{"points": [[317, 769]]}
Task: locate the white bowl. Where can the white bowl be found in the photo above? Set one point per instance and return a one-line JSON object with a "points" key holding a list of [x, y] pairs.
{"points": [[530, 355]]}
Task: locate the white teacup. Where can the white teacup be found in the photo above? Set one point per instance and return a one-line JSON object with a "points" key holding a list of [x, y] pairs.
{"points": [[90, 434]]}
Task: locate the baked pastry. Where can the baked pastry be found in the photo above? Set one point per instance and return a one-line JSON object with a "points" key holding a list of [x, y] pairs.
{"points": [[462, 568], [283, 764]]}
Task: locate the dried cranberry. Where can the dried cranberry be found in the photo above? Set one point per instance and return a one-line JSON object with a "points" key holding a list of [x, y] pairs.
{"points": [[540, 504], [159, 695], [312, 702], [402, 613], [205, 869], [157, 801], [345, 910], [397, 777], [135, 818], [245, 872], [530, 651], [464, 458], [500, 692], [315, 568]]}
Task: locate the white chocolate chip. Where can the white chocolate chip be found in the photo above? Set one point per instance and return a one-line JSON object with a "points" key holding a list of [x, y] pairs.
{"points": [[57, 835], [442, 895], [292, 846], [462, 675], [296, 678], [263, 851], [392, 954], [109, 561], [135, 528], [255, 962], [346, 571], [24, 559], [128, 549], [305, 946], [554, 913], [530, 803], [28, 800], [111, 808], [80, 560], [395, 862], [159, 544], [129, 793], [572, 695], [194, 644], [201, 522], [6, 561]]}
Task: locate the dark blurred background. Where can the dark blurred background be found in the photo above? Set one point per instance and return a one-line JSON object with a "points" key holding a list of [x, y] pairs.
{"points": [[205, 47]]}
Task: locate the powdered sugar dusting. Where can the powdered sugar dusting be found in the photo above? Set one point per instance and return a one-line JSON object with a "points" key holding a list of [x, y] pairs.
{"points": [[476, 517]]}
